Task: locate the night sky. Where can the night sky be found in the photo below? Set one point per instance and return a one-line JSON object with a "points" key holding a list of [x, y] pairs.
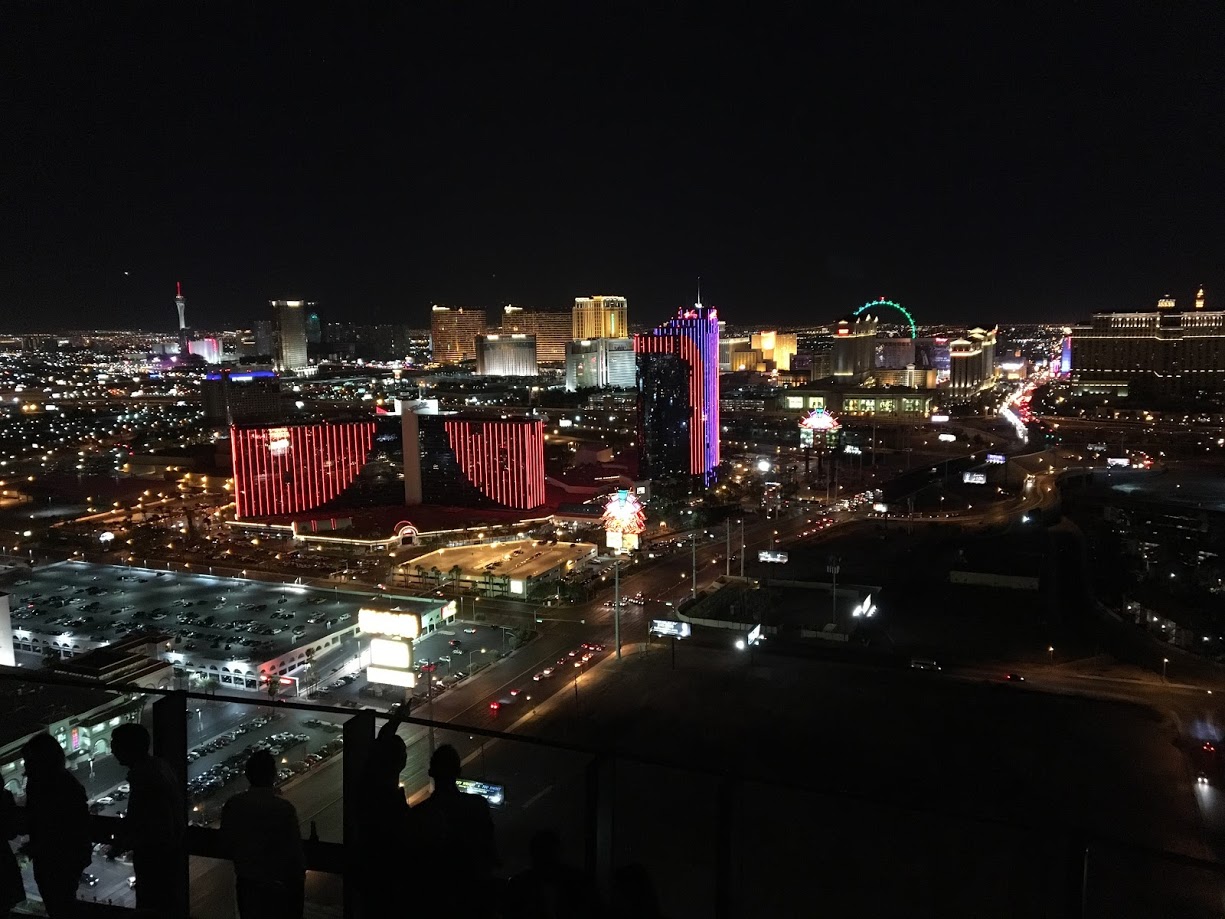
{"points": [[801, 160]]}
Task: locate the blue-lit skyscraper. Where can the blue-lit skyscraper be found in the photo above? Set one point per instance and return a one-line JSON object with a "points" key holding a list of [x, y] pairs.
{"points": [[670, 415]]}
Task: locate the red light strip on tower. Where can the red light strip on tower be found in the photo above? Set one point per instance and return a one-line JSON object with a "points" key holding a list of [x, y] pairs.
{"points": [[317, 464]]}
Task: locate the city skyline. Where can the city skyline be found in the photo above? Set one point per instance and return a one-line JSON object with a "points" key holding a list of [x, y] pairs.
{"points": [[976, 170]]}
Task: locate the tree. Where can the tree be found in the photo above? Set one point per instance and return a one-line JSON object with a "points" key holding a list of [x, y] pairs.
{"points": [[435, 574], [421, 574], [456, 571]]}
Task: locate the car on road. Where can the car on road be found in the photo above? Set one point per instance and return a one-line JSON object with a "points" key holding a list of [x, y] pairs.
{"points": [[515, 692], [469, 631], [1201, 778], [1015, 678], [923, 663], [544, 674], [106, 800], [89, 880]]}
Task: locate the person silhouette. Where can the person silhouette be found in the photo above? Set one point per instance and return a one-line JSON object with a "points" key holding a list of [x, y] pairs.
{"points": [[57, 819], [264, 840], [155, 825], [457, 829], [12, 887], [634, 893], [384, 823], [550, 889]]}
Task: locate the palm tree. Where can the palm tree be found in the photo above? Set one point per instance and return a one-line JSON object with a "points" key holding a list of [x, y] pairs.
{"points": [[436, 575], [456, 571], [421, 574]]}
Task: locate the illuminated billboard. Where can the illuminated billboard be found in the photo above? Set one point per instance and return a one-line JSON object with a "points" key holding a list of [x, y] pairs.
{"points": [[388, 676], [671, 628], [623, 520], [391, 662], [772, 555], [996, 459], [391, 623], [974, 478]]}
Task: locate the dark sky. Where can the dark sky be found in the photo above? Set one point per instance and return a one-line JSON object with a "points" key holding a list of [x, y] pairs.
{"points": [[985, 164]]}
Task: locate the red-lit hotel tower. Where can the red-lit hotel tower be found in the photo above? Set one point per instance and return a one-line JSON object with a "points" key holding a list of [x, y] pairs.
{"points": [[472, 461], [458, 460], [678, 395], [288, 469]]}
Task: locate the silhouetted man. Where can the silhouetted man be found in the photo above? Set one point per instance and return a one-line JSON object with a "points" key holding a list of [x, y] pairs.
{"points": [[457, 832], [155, 825], [550, 889], [263, 837]]}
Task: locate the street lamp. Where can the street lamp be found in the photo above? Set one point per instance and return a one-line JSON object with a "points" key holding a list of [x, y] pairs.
{"points": [[1050, 650], [1164, 661]]}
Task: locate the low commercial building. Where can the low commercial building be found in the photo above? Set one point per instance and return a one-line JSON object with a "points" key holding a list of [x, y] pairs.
{"points": [[513, 568], [80, 718], [881, 404]]}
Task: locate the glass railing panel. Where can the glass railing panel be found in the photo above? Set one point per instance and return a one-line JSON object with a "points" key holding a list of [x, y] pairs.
{"points": [[223, 733], [1121, 882], [665, 834]]}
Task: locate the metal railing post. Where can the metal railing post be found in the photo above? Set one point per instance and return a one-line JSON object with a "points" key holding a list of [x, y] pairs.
{"points": [[601, 775], [725, 850], [169, 716], [1076, 877], [359, 742]]}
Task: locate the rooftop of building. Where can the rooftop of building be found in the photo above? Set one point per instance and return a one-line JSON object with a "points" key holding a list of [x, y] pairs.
{"points": [[30, 707], [522, 558]]}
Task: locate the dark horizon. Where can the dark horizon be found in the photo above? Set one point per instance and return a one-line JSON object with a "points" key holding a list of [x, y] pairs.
{"points": [[975, 168]]}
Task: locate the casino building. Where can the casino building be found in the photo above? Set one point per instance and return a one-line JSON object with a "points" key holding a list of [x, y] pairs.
{"points": [[459, 460], [1167, 352]]}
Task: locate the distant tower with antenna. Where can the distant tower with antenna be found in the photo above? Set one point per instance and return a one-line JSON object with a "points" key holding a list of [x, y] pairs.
{"points": [[180, 303]]}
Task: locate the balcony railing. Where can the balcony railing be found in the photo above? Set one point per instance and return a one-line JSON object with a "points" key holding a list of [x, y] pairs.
{"points": [[714, 842]]}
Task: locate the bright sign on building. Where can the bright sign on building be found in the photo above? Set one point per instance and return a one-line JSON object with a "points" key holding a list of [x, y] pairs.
{"points": [[391, 662], [623, 520], [278, 441], [974, 478], [996, 459], [388, 652], [389, 623], [772, 555], [819, 423], [388, 676]]}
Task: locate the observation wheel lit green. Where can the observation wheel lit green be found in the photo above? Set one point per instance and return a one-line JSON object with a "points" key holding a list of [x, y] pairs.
{"points": [[914, 331]]}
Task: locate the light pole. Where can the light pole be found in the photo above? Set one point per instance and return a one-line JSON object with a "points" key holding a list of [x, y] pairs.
{"points": [[833, 568], [1050, 650], [693, 545], [728, 565], [742, 547], [616, 606], [1164, 661]]}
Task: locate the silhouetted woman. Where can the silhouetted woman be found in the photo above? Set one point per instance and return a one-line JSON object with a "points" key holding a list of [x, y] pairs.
{"points": [[12, 888], [57, 819]]}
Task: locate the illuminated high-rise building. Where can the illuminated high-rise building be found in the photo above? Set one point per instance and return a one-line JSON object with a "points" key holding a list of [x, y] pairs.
{"points": [[551, 328], [453, 332], [289, 329], [473, 461], [599, 363], [314, 330], [599, 317], [678, 395], [504, 355], [1162, 352], [462, 460]]}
